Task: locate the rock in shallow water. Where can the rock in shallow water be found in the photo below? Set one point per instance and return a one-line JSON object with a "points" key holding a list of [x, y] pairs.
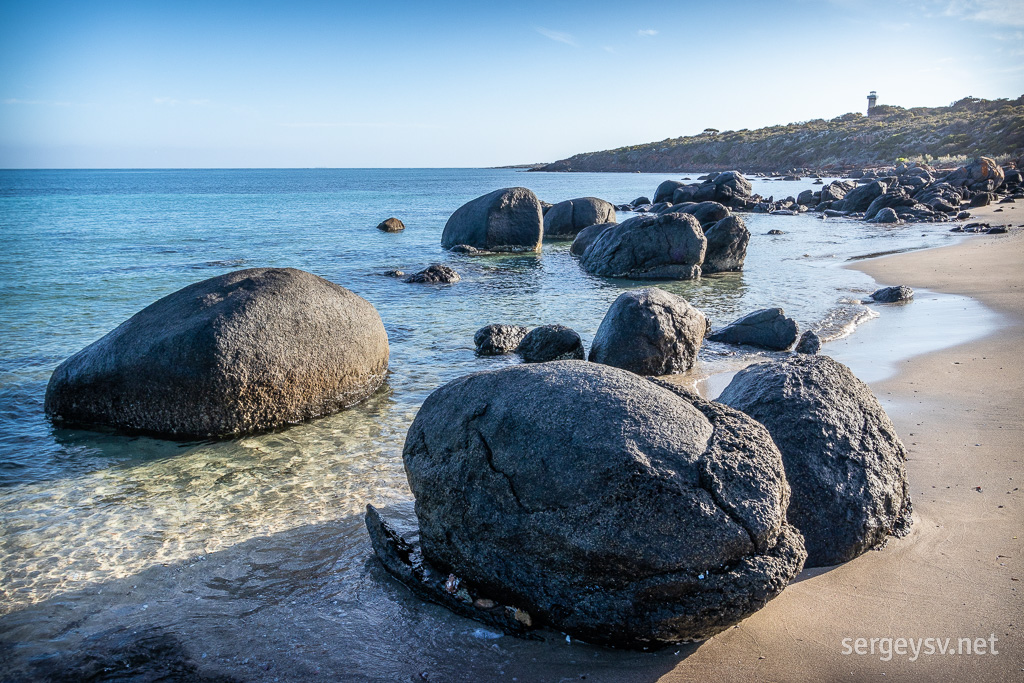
{"points": [[391, 225], [809, 343], [669, 246], [649, 332], [504, 220], [768, 328], [434, 274], [669, 527], [890, 295], [244, 352], [843, 459], [565, 219], [496, 340], [551, 342]]}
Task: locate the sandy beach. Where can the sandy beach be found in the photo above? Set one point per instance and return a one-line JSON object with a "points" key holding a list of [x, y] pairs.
{"points": [[960, 412]]}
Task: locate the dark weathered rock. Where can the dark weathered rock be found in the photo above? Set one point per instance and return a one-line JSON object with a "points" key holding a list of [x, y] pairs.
{"points": [[640, 201], [806, 198], [731, 186], [981, 199], [496, 340], [889, 295], [565, 219], [809, 343], [504, 220], [836, 190], [775, 232], [665, 190], [394, 273], [861, 197], [768, 328], [705, 212], [391, 225], [650, 332], [243, 352], [893, 199], [434, 274], [886, 215], [669, 246], [670, 527], [843, 459], [982, 175], [551, 342], [586, 236], [727, 246]]}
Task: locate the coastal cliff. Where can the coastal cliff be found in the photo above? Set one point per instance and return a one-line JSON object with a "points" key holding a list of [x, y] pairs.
{"points": [[967, 128]]}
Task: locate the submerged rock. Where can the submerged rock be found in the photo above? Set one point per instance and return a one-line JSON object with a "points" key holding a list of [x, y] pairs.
{"points": [[551, 342], [565, 219], [496, 340], [843, 459], [669, 246], [503, 220], [768, 328], [889, 295], [649, 332], [243, 352], [727, 246], [670, 527], [434, 274], [391, 225]]}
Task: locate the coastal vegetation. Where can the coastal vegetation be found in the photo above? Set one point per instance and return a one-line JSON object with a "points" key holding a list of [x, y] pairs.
{"points": [[967, 128]]}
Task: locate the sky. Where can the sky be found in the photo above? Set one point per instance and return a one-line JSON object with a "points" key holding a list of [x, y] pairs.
{"points": [[93, 84]]}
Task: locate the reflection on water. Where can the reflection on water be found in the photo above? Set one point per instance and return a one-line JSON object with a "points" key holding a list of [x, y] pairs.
{"points": [[86, 250]]}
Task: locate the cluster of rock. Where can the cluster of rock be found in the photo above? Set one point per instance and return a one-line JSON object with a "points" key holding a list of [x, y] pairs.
{"points": [[249, 351], [540, 345], [682, 520], [911, 192]]}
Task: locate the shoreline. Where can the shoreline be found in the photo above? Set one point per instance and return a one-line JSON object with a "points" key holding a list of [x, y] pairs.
{"points": [[952, 577]]}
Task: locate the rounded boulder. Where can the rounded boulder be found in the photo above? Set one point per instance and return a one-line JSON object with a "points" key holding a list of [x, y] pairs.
{"points": [[566, 219], [669, 246], [670, 527], [843, 459], [503, 220], [243, 352], [650, 332]]}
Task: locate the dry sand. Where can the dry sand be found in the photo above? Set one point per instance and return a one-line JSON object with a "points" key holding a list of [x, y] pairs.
{"points": [[959, 573]]}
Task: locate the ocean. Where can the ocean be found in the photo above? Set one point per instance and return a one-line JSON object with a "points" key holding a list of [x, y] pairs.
{"points": [[81, 510]]}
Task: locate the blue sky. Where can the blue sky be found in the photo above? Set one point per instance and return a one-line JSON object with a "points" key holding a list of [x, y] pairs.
{"points": [[394, 84]]}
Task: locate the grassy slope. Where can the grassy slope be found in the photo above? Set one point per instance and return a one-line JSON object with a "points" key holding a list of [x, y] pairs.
{"points": [[965, 129]]}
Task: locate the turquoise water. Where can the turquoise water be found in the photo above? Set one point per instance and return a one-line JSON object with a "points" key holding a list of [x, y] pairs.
{"points": [[84, 250]]}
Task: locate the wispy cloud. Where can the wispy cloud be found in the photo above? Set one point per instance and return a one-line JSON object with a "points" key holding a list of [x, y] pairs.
{"points": [[647, 32], [44, 103], [558, 36], [1002, 12]]}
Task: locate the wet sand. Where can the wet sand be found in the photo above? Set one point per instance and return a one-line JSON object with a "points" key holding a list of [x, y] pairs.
{"points": [[241, 612]]}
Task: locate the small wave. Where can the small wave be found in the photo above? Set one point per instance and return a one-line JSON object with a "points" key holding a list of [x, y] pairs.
{"points": [[840, 321], [226, 263]]}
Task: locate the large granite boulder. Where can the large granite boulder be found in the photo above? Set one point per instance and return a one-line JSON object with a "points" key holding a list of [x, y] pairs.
{"points": [[705, 212], [650, 332], [982, 175], [836, 190], [768, 328], [551, 342], [844, 461], [503, 220], [497, 340], [586, 236], [731, 187], [565, 219], [861, 197], [727, 246], [244, 352], [666, 189], [670, 527], [893, 199], [669, 246]]}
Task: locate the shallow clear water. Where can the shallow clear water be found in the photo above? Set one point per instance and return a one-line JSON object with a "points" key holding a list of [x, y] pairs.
{"points": [[84, 250]]}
